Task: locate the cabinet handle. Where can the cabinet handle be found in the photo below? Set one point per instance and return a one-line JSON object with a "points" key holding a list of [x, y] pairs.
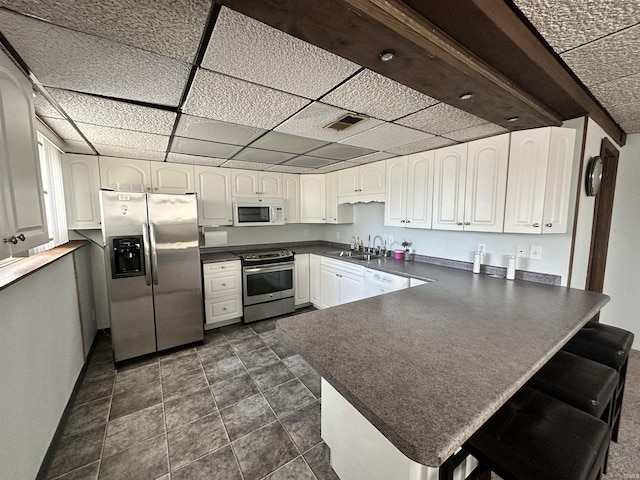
{"points": [[548, 224], [222, 266], [467, 223], [536, 225], [401, 221], [224, 284], [148, 189], [13, 240], [459, 223], [407, 221], [22, 237], [224, 309], [323, 219]]}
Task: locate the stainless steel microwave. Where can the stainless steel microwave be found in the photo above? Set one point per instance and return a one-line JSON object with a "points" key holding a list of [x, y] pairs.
{"points": [[256, 212]]}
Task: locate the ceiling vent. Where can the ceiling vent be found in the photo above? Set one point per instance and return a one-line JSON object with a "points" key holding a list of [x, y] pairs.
{"points": [[345, 122]]}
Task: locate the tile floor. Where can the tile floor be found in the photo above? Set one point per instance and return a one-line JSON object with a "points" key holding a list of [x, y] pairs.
{"points": [[242, 406]]}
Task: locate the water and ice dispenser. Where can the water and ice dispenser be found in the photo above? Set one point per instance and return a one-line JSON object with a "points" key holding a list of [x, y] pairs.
{"points": [[127, 256]]}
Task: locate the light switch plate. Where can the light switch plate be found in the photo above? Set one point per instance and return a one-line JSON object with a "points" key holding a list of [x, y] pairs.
{"points": [[536, 252], [522, 251], [482, 248]]}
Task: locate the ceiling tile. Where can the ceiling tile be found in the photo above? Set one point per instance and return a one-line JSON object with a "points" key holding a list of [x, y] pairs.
{"points": [[247, 165], [262, 156], [119, 137], [284, 142], [566, 24], [111, 113], [217, 131], [441, 118], [385, 136], [72, 146], [337, 151], [245, 48], [336, 166], [44, 108], [174, 32], [291, 169], [232, 100], [135, 153], [203, 148], [422, 145], [473, 133], [631, 127], [606, 59], [63, 129], [372, 94], [627, 112], [310, 122], [618, 91], [309, 162], [67, 59], [195, 159], [372, 157]]}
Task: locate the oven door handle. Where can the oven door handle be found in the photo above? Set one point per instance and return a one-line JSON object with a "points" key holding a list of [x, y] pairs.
{"points": [[269, 268]]}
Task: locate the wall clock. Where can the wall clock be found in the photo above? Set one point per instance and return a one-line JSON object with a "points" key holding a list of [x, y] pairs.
{"points": [[594, 176]]}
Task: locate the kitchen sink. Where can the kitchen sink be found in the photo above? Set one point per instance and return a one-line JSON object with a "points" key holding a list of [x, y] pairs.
{"points": [[365, 257]]}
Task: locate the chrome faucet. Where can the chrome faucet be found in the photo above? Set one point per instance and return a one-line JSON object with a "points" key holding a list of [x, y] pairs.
{"points": [[380, 250]]}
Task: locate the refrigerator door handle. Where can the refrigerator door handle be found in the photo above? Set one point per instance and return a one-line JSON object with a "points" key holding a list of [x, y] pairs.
{"points": [[147, 260], [154, 253]]}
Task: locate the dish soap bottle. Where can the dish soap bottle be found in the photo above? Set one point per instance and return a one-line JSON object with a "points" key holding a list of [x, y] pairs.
{"points": [[352, 246]]}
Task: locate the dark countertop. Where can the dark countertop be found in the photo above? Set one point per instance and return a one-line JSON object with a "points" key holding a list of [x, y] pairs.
{"points": [[430, 364], [218, 257]]}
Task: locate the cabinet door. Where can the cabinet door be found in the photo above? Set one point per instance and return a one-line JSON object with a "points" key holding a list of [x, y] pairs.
{"points": [[172, 178], [395, 205], [244, 183], [301, 279], [312, 201], [270, 184], [329, 287], [486, 184], [314, 280], [291, 197], [81, 177], [124, 175], [419, 190], [351, 288], [558, 187], [213, 186], [450, 170], [331, 197], [528, 162], [19, 163], [348, 182], [371, 178], [222, 284]]}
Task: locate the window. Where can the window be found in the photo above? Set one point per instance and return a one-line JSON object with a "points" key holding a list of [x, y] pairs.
{"points": [[51, 170]]}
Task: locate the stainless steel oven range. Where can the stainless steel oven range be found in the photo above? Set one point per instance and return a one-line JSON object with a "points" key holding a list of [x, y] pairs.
{"points": [[267, 284]]}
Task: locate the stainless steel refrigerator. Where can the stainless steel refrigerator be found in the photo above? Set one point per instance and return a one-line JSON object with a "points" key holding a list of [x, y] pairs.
{"points": [[153, 271]]}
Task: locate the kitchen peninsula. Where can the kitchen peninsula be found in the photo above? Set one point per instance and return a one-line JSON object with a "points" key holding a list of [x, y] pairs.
{"points": [[427, 366]]}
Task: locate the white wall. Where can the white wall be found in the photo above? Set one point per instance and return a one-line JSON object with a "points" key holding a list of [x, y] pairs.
{"points": [[41, 357], [284, 233], [622, 275]]}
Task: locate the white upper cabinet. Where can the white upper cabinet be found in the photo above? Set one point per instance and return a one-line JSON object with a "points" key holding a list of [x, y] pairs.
{"points": [[450, 169], [291, 197], [172, 178], [408, 201], [81, 177], [125, 175], [251, 183], [312, 198], [23, 222], [334, 212], [539, 180], [213, 186], [486, 184], [364, 183]]}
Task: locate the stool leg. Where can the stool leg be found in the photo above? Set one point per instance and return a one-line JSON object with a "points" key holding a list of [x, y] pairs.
{"points": [[617, 408]]}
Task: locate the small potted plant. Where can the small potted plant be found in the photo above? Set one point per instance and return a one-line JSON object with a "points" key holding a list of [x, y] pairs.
{"points": [[406, 245]]}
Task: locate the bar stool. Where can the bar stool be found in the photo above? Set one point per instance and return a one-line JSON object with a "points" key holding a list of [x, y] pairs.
{"points": [[609, 346], [537, 437]]}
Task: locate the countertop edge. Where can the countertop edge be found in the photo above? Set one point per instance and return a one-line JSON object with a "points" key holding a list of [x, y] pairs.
{"points": [[20, 269]]}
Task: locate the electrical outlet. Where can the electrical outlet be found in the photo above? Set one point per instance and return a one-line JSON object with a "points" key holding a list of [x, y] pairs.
{"points": [[522, 251], [306, 233], [337, 235], [482, 248], [536, 252]]}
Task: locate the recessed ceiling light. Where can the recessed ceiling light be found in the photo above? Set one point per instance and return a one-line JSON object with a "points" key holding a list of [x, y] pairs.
{"points": [[466, 96], [513, 119], [387, 55]]}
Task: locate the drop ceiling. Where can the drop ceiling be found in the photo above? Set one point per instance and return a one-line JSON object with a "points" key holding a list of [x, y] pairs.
{"points": [[198, 83]]}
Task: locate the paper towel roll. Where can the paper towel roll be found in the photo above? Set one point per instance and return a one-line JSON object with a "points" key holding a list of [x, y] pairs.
{"points": [[215, 237]]}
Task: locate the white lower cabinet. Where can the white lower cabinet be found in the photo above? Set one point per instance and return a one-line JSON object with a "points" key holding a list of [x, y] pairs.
{"points": [[301, 279], [314, 280], [340, 282], [222, 283]]}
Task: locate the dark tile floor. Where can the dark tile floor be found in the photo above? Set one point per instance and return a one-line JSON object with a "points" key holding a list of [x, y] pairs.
{"points": [[241, 406]]}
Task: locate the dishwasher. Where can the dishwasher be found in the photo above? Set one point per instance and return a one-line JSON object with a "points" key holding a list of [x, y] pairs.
{"points": [[377, 283]]}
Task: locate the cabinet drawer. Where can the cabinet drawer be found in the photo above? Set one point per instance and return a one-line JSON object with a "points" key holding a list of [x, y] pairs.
{"points": [[222, 283], [223, 308], [221, 266]]}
